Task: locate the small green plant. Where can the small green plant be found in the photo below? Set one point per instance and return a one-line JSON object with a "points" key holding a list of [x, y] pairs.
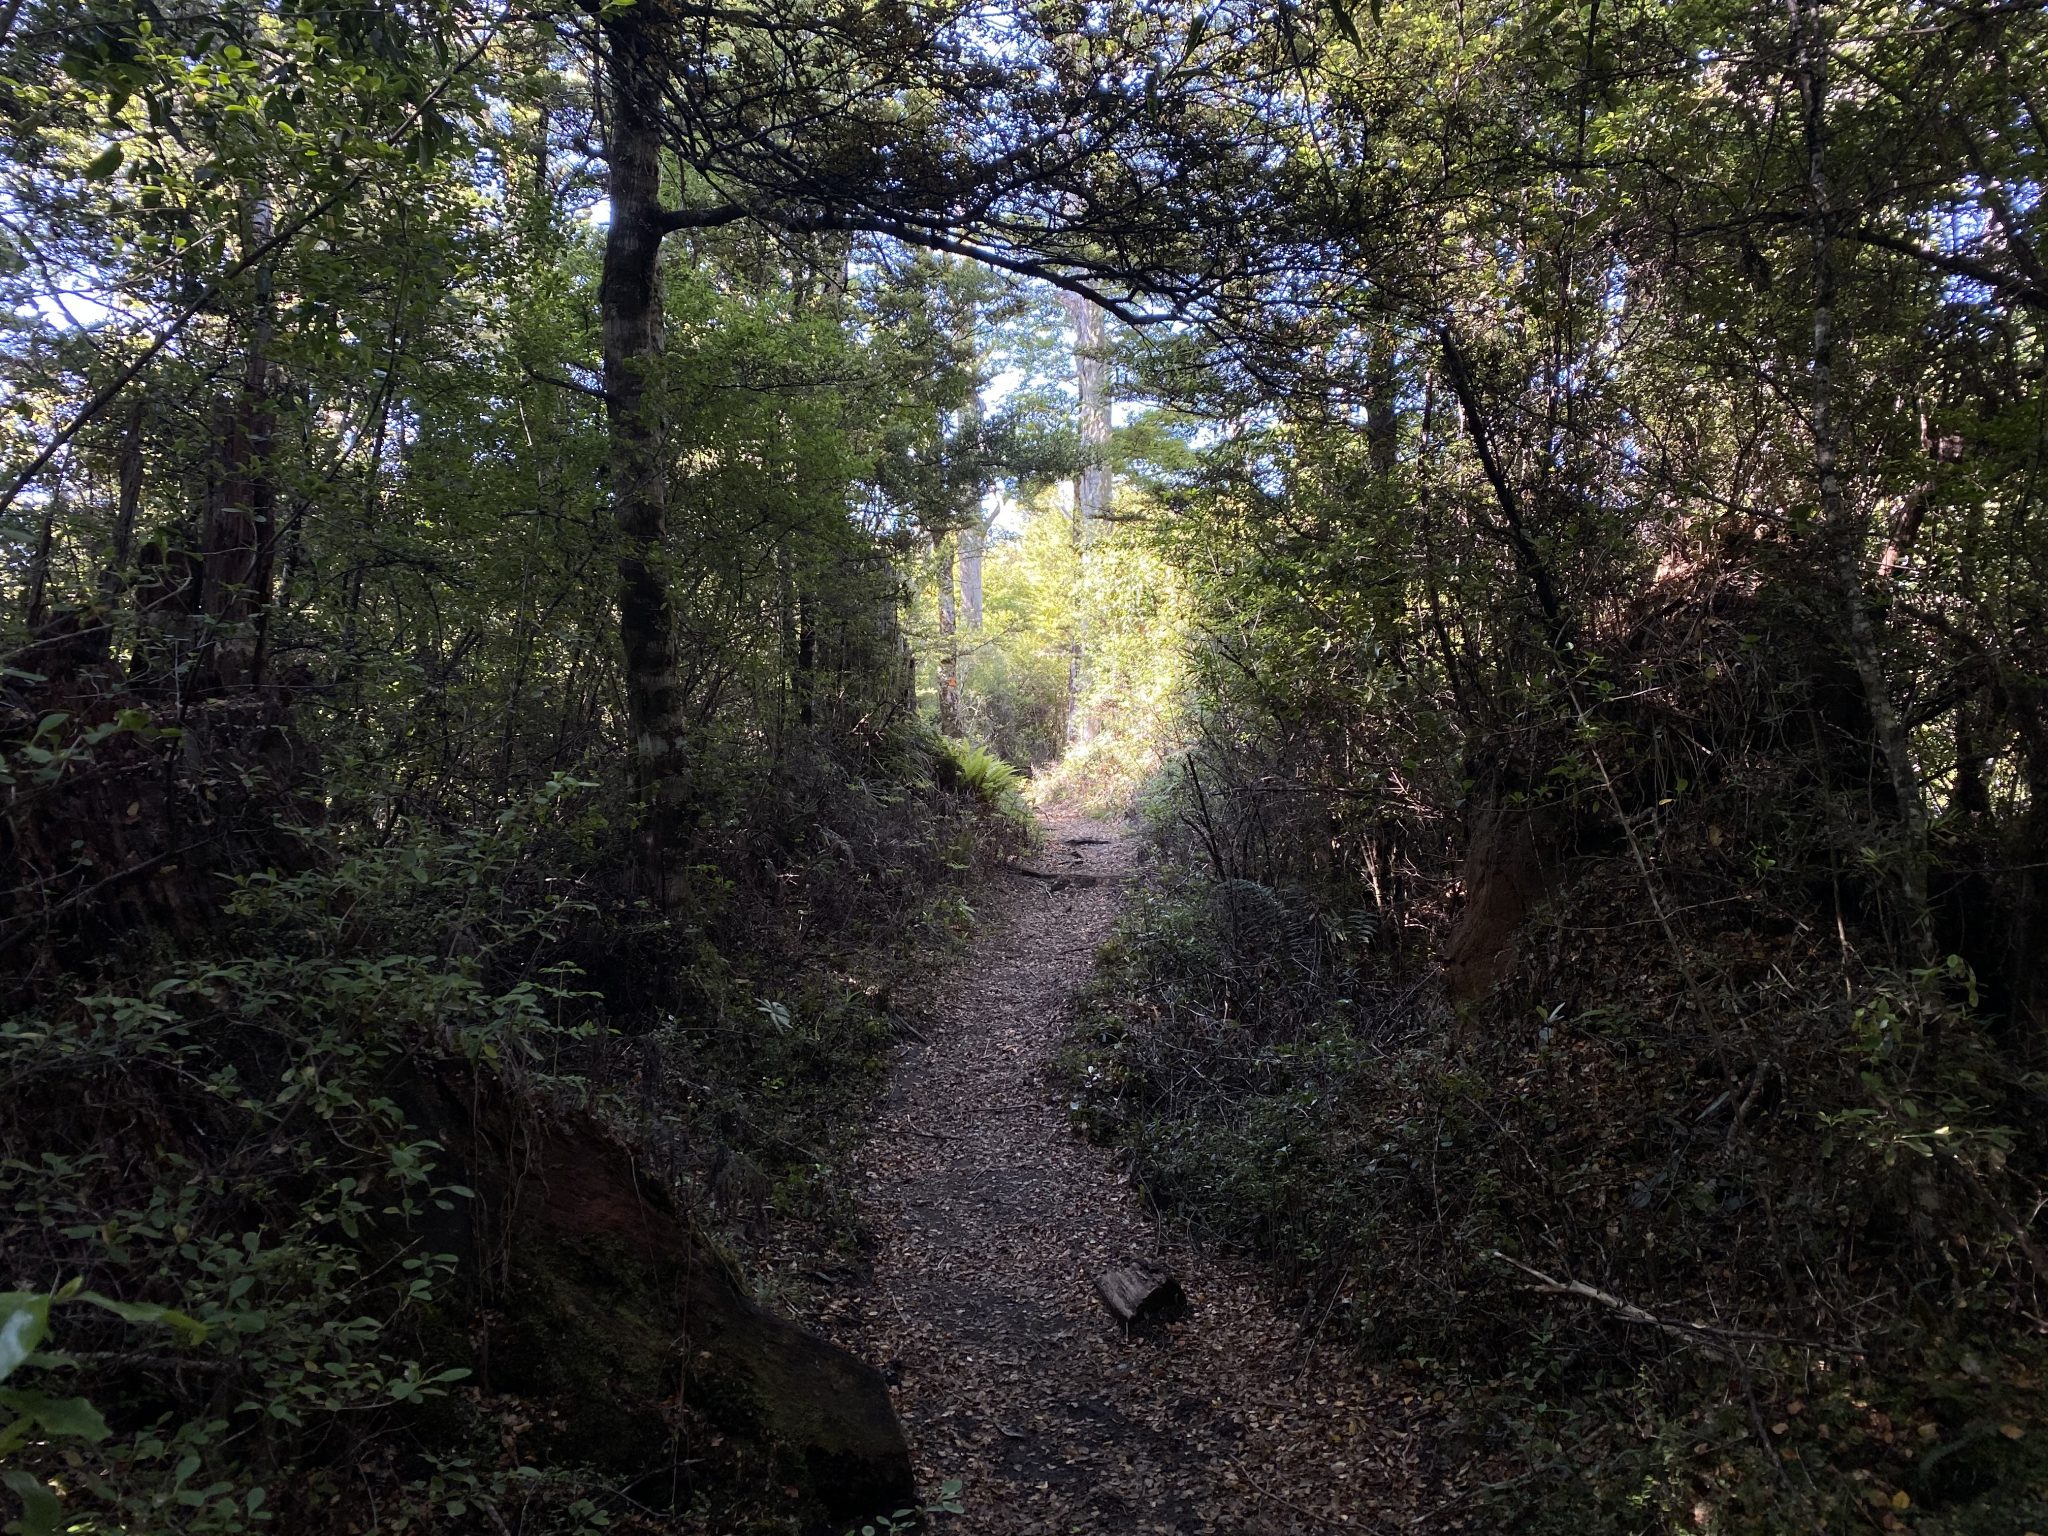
{"points": [[976, 771], [947, 1503]]}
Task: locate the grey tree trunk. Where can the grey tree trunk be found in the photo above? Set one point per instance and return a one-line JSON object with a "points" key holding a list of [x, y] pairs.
{"points": [[973, 530], [949, 642], [1839, 527], [1092, 488], [1091, 378], [973, 546]]}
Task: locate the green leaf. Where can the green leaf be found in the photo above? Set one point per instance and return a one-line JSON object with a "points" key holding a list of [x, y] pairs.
{"points": [[188, 1329], [41, 1511], [1340, 12], [105, 163], [24, 1323], [69, 1416]]}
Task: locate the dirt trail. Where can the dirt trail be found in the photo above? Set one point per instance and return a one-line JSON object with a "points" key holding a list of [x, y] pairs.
{"points": [[993, 1218]]}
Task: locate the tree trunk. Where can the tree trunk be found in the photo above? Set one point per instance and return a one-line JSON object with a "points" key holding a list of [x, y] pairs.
{"points": [[1510, 528], [973, 545], [1381, 406], [45, 553], [238, 537], [807, 660], [973, 531], [1839, 528], [1092, 488], [630, 305], [949, 642], [1091, 379], [128, 483]]}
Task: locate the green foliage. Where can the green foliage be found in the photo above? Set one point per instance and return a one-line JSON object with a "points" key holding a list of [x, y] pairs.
{"points": [[947, 1503], [307, 1265], [979, 771], [284, 1177], [990, 782], [35, 1417], [1279, 1095], [1585, 528]]}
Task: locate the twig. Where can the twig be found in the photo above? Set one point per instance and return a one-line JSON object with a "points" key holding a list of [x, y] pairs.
{"points": [[1714, 1340]]}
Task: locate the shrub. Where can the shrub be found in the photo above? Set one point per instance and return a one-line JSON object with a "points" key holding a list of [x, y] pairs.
{"points": [[244, 1136], [1859, 1186], [978, 772]]}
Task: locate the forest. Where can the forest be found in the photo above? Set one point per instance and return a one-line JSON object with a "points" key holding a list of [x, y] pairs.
{"points": [[822, 767]]}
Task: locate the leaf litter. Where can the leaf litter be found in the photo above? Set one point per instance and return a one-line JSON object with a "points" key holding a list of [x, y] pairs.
{"points": [[992, 1218]]}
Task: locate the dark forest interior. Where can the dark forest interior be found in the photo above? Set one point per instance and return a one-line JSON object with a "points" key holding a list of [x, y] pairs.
{"points": [[1418, 628]]}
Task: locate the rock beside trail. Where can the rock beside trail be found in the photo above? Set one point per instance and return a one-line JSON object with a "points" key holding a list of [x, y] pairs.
{"points": [[605, 1301]]}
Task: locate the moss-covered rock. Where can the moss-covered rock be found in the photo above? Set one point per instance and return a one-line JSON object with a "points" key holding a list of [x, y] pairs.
{"points": [[622, 1322]]}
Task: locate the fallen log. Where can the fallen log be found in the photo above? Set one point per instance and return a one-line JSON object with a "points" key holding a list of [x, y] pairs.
{"points": [[1140, 1292]]}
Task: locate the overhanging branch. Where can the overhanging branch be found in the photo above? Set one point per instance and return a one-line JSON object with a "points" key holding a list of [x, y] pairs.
{"points": [[2011, 285], [912, 232]]}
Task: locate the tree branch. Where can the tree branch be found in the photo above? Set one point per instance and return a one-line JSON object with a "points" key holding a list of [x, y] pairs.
{"points": [[573, 385], [1512, 530], [820, 221], [2012, 285], [1714, 1340]]}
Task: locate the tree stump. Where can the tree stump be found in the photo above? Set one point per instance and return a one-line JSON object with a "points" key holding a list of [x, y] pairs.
{"points": [[1141, 1291]]}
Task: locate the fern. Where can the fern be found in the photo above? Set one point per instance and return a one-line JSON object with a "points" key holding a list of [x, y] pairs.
{"points": [[976, 771]]}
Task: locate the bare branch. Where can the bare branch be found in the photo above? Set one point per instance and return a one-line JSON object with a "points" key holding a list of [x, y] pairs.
{"points": [[1702, 1335]]}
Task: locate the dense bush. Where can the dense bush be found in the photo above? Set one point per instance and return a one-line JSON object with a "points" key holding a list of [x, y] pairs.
{"points": [[1768, 1263], [271, 1129]]}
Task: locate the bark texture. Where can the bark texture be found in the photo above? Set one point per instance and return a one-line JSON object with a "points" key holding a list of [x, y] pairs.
{"points": [[630, 303], [1840, 528]]}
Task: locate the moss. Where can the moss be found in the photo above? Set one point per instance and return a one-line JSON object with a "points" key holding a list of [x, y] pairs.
{"points": [[590, 1330]]}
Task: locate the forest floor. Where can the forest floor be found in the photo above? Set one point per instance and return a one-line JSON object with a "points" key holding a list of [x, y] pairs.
{"points": [[992, 1219]]}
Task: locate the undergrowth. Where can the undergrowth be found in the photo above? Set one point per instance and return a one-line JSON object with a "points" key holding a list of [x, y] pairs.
{"points": [[265, 1132], [1762, 1270], [979, 772]]}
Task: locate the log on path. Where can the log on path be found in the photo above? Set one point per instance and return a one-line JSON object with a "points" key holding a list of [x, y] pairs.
{"points": [[1061, 880], [1140, 1292]]}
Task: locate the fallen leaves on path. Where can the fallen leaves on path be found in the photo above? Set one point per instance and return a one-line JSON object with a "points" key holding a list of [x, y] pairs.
{"points": [[992, 1220]]}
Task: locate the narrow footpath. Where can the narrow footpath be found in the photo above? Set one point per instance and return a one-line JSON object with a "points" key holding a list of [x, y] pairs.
{"points": [[993, 1218]]}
